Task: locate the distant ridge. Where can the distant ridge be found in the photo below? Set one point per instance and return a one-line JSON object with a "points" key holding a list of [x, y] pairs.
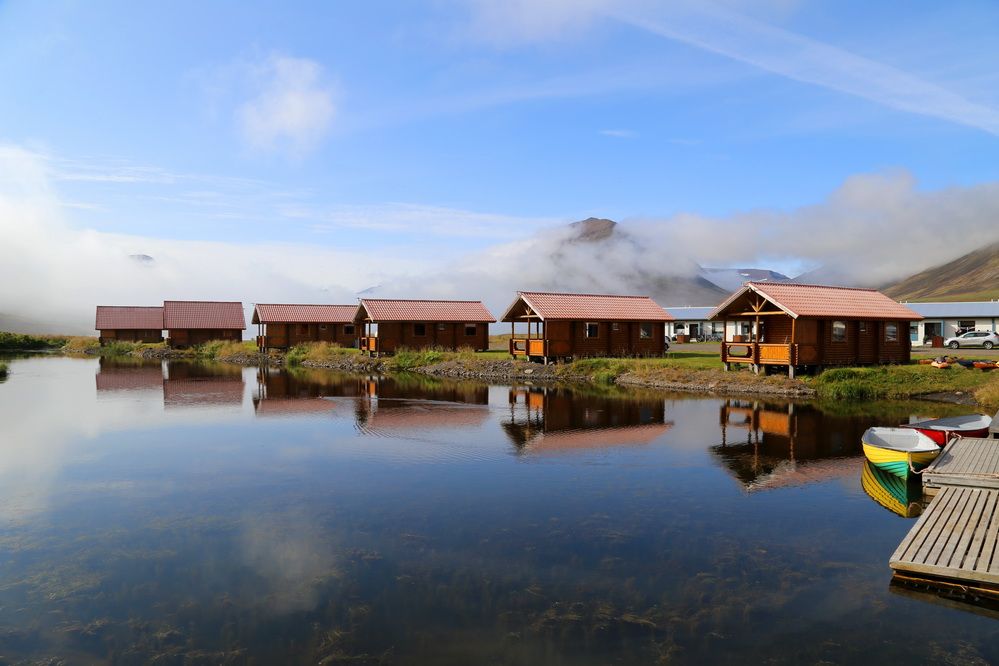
{"points": [[973, 277], [731, 279]]}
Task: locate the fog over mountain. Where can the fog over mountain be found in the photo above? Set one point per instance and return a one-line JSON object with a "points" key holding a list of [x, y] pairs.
{"points": [[872, 230]]}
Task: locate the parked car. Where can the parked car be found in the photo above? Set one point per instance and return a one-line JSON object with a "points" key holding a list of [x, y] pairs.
{"points": [[974, 339]]}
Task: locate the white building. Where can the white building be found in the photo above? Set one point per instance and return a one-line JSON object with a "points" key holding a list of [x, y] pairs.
{"points": [[692, 321], [951, 319]]}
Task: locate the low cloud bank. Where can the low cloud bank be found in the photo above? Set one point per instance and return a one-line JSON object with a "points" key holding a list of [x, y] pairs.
{"points": [[872, 230]]}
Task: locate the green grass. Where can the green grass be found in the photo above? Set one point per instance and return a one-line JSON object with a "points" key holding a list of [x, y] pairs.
{"points": [[224, 349], [317, 352], [4, 370], [22, 342], [896, 382]]}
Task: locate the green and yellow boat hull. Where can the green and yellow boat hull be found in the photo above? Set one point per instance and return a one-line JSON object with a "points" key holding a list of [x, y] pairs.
{"points": [[898, 462]]}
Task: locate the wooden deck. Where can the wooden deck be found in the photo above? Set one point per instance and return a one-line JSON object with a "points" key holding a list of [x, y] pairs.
{"points": [[967, 462], [955, 539]]}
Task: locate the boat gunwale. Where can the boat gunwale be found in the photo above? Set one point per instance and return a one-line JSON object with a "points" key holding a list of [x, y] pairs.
{"points": [[925, 444]]}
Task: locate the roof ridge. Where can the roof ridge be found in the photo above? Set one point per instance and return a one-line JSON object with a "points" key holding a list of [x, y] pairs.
{"points": [[131, 306], [424, 300], [184, 301], [573, 293], [806, 284], [313, 305]]}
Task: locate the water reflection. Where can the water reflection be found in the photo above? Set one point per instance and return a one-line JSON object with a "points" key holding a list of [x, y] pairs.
{"points": [[408, 520], [126, 374], [544, 419], [902, 497], [769, 445]]}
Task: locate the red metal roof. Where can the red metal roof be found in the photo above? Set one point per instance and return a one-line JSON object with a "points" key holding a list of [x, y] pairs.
{"points": [[601, 307], [812, 300], [383, 309], [267, 313], [124, 317], [203, 314]]}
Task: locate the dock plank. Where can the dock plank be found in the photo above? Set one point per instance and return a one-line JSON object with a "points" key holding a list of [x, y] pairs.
{"points": [[955, 537], [965, 461]]}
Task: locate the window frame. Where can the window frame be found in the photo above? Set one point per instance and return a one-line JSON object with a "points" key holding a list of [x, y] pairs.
{"points": [[645, 330], [845, 331], [417, 325], [474, 328], [891, 325], [351, 331], [596, 329]]}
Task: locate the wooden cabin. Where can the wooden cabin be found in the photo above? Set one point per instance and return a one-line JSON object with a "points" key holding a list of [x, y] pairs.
{"points": [[129, 323], [392, 324], [804, 326], [191, 323], [566, 326], [280, 326]]}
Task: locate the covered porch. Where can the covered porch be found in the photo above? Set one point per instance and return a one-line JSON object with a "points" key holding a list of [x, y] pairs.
{"points": [[761, 336]]}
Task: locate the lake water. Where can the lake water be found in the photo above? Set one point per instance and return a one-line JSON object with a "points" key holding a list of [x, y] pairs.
{"points": [[214, 514]]}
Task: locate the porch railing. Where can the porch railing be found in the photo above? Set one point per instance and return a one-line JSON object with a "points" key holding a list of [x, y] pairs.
{"points": [[759, 353], [528, 347]]}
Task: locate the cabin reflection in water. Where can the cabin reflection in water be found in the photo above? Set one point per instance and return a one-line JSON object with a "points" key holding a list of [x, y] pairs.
{"points": [[772, 445], [119, 375], [197, 385], [378, 403], [180, 384], [553, 419]]}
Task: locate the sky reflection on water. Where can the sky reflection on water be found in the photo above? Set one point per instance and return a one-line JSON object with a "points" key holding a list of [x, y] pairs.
{"points": [[207, 514]]}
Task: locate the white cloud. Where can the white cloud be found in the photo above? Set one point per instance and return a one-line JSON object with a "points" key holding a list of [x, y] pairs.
{"points": [[716, 28], [620, 133], [428, 221], [872, 229], [292, 108], [807, 60]]}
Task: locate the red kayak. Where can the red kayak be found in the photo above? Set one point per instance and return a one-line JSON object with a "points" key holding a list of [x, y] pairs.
{"points": [[940, 430]]}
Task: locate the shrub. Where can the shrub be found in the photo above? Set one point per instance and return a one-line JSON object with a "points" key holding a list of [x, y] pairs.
{"points": [[221, 349], [4, 370], [81, 345], [407, 359], [316, 352], [22, 342]]}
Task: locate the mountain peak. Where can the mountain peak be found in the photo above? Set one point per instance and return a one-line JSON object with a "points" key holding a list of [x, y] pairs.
{"points": [[593, 229]]}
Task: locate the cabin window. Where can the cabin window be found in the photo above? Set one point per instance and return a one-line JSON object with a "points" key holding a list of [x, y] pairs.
{"points": [[322, 327], [348, 329], [419, 330], [645, 331], [891, 332], [863, 327], [615, 326], [471, 330], [966, 325], [441, 326], [592, 330], [839, 331]]}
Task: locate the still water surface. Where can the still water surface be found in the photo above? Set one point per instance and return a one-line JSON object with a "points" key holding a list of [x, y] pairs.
{"points": [[213, 514]]}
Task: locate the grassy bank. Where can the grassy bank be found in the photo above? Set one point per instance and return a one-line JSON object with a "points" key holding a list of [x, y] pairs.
{"points": [[4, 370], [906, 381], [22, 342]]}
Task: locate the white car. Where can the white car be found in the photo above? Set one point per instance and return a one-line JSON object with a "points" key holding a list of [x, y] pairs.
{"points": [[974, 339]]}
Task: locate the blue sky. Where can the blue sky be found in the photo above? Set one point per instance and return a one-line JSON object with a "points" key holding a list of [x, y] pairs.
{"points": [[446, 127]]}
